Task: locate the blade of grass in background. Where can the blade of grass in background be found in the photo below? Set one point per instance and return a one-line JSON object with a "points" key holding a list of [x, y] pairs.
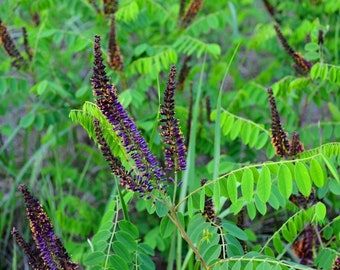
{"points": [[217, 139]]}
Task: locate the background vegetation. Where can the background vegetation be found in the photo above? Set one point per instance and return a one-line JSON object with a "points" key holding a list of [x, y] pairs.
{"points": [[231, 54]]}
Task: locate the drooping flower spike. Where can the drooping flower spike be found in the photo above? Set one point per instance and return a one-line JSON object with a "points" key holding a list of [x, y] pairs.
{"points": [[51, 251], [170, 131]]}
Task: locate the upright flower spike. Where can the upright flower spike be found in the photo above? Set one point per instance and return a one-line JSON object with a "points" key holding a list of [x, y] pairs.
{"points": [[170, 130], [278, 135], [146, 168], [115, 57], [9, 47], [303, 66], [194, 8], [51, 250]]}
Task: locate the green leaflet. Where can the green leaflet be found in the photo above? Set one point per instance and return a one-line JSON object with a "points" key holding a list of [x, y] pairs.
{"points": [[320, 212], [264, 185], [331, 167], [251, 210], [317, 173], [232, 188], [285, 181], [302, 179], [247, 185], [236, 129]]}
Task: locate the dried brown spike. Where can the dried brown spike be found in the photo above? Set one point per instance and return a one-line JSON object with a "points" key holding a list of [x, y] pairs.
{"points": [[191, 13], [115, 57]]}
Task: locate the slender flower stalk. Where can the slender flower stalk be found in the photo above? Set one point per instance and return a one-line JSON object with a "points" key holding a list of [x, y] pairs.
{"points": [[115, 57], [146, 168], [51, 250], [9, 47], [303, 66], [278, 135], [170, 131], [194, 8]]}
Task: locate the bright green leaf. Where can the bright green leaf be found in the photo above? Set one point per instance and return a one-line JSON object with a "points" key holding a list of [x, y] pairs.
{"points": [[317, 173], [247, 185], [264, 184], [285, 181], [232, 187], [302, 179]]}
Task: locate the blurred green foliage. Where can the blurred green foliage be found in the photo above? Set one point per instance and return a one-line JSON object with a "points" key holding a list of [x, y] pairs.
{"points": [[41, 146]]}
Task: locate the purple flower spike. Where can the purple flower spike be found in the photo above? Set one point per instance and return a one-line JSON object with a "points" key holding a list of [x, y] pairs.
{"points": [[52, 252], [172, 135], [147, 171]]}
